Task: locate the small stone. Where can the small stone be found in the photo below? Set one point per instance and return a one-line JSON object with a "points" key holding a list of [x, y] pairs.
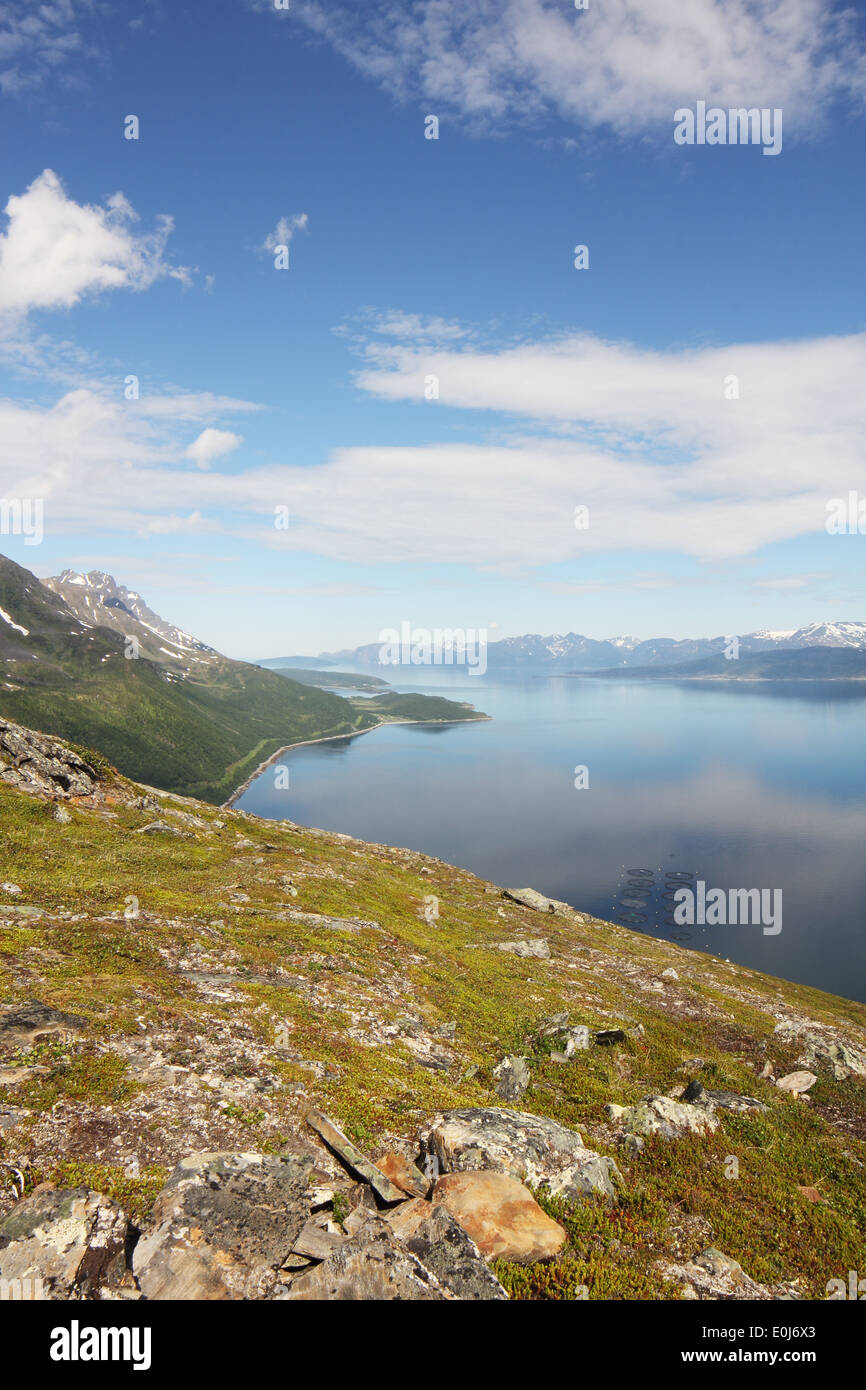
{"points": [[669, 974], [10, 888]]}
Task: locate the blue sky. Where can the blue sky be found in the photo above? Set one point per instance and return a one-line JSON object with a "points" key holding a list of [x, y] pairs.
{"points": [[453, 258]]}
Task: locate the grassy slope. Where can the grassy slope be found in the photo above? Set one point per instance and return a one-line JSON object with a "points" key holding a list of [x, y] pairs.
{"points": [[325, 988], [200, 737]]}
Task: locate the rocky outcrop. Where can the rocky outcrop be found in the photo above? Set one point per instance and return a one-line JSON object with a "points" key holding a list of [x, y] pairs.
{"points": [[68, 1242], [534, 1150], [223, 1226], [823, 1045], [39, 764]]}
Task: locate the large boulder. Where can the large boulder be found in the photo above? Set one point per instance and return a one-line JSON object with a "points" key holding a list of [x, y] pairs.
{"points": [[501, 1216], [534, 1150], [223, 1226], [66, 1243], [373, 1266]]}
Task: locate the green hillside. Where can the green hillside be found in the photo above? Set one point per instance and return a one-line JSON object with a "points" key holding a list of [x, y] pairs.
{"points": [[201, 736]]}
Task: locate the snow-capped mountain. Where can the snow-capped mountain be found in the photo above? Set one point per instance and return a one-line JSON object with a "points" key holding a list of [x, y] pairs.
{"points": [[98, 600], [824, 634], [573, 652]]}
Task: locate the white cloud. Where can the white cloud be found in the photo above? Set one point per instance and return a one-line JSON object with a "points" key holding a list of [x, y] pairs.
{"points": [[643, 439], [620, 64], [284, 231], [55, 251], [212, 444]]}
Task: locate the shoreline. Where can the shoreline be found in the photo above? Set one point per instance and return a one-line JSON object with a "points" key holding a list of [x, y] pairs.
{"points": [[333, 738]]}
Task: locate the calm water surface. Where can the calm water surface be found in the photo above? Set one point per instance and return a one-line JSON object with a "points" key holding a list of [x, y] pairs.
{"points": [[755, 787]]}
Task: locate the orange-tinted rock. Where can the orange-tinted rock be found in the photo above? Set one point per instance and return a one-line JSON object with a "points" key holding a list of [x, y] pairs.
{"points": [[501, 1216], [403, 1174]]}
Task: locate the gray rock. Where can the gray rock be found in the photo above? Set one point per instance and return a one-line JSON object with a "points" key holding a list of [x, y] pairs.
{"points": [[223, 1226], [696, 1094], [529, 897], [534, 1150], [443, 1247], [824, 1044], [353, 1158], [43, 766], [36, 1023], [511, 1077], [535, 948], [663, 1118], [162, 827], [372, 1266], [71, 1239], [713, 1275]]}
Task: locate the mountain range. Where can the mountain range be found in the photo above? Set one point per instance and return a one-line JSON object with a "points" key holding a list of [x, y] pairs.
{"points": [[572, 652]]}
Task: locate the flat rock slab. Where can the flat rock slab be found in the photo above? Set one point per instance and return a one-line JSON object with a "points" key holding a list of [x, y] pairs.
{"points": [[661, 1117], [823, 1044], [373, 1266], [223, 1226], [71, 1239], [316, 919], [696, 1094], [536, 948], [500, 1215], [36, 1023], [530, 897], [713, 1275], [532, 1149], [353, 1158]]}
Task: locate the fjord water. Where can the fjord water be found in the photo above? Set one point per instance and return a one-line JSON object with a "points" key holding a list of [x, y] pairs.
{"points": [[742, 786]]}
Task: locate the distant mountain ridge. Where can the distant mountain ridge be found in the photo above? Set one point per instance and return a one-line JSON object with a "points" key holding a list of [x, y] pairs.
{"points": [[573, 652]]}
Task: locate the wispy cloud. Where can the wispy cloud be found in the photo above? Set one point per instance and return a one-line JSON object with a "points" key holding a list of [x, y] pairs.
{"points": [[284, 231], [624, 65]]}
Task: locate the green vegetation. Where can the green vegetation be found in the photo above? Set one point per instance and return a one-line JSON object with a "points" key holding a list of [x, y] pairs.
{"points": [[202, 736], [338, 998]]}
